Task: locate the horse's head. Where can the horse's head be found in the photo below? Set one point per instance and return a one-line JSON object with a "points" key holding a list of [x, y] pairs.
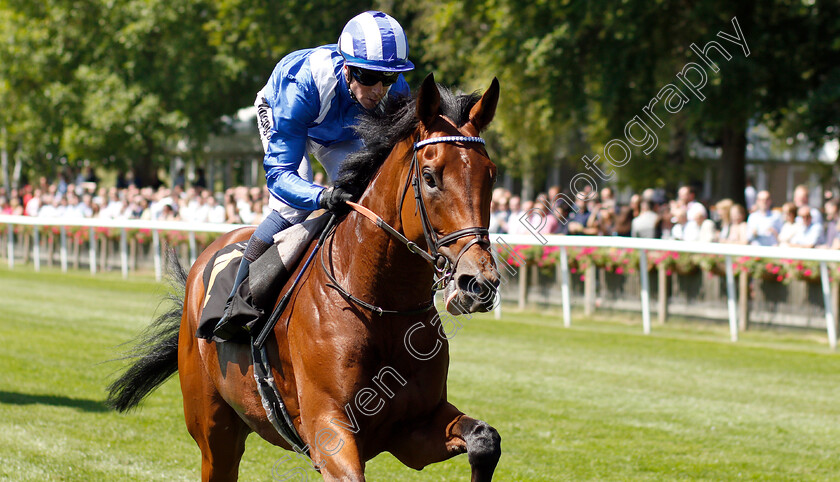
{"points": [[454, 179]]}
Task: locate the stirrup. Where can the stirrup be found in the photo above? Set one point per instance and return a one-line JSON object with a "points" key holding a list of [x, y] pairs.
{"points": [[227, 329]]}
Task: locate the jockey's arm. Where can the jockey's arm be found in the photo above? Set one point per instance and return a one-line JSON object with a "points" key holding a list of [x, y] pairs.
{"points": [[294, 107]]}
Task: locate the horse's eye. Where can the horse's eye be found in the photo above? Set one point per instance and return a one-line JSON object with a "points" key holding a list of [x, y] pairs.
{"points": [[430, 180]]}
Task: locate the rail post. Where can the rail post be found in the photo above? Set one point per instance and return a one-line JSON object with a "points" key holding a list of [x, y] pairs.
{"points": [[731, 300], [643, 271], [564, 287], [10, 240], [156, 254], [63, 249], [830, 326]]}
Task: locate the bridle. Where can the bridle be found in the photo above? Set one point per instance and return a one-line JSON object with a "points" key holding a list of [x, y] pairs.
{"points": [[443, 266]]}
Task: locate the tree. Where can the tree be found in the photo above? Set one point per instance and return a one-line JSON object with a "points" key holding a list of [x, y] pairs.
{"points": [[583, 70], [121, 83]]}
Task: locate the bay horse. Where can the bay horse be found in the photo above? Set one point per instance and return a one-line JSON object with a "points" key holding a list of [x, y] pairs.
{"points": [[350, 376]]}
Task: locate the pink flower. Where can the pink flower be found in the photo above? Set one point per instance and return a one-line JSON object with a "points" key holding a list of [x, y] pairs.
{"points": [[626, 261], [582, 278], [573, 270], [779, 278], [669, 272], [619, 270], [775, 269], [807, 272]]}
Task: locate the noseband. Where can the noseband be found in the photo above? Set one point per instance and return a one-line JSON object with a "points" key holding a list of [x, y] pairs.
{"points": [[444, 267]]}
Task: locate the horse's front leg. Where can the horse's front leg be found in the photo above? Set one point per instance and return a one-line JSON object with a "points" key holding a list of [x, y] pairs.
{"points": [[334, 451], [448, 432]]}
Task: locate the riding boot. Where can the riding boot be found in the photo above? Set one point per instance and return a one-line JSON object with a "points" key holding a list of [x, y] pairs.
{"points": [[226, 329], [239, 310]]}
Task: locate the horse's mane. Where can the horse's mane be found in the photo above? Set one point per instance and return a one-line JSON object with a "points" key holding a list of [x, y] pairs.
{"points": [[382, 131]]}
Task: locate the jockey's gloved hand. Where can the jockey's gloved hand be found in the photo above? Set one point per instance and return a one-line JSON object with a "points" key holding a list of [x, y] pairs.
{"points": [[334, 199]]}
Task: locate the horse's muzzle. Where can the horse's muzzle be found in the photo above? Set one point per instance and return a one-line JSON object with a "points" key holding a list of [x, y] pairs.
{"points": [[471, 291]]}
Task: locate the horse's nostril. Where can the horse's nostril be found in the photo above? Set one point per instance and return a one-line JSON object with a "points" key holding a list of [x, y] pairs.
{"points": [[468, 284]]}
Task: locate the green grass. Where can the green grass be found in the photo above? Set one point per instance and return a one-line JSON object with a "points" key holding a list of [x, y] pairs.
{"points": [[599, 401]]}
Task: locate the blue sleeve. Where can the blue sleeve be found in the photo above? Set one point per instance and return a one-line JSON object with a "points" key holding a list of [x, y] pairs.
{"points": [[295, 104], [400, 87]]}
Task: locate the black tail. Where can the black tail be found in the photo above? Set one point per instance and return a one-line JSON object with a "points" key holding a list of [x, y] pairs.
{"points": [[156, 348]]}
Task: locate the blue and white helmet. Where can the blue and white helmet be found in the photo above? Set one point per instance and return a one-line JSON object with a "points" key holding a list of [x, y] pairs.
{"points": [[375, 41]]}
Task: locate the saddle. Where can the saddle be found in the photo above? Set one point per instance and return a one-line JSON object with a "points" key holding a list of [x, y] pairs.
{"points": [[267, 276]]}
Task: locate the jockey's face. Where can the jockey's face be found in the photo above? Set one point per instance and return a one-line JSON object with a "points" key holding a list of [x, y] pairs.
{"points": [[368, 96]]}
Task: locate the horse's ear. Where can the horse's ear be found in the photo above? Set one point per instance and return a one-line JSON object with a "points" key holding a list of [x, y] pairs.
{"points": [[483, 111], [428, 100]]}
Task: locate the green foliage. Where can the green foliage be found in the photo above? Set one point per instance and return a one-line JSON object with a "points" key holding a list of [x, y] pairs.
{"points": [[574, 73]]}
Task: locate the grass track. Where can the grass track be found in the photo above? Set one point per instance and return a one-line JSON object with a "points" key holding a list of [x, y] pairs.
{"points": [[599, 401]]}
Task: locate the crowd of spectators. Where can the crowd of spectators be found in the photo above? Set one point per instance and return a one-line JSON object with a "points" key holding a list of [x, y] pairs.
{"points": [[647, 214], [85, 197], [650, 215]]}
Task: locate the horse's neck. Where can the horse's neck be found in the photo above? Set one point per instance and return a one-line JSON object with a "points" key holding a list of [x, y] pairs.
{"points": [[376, 266]]}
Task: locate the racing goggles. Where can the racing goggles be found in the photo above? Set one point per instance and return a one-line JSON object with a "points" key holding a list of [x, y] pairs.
{"points": [[370, 78]]}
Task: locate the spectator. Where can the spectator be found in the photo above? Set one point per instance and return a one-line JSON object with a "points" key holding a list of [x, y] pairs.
{"points": [[646, 224], [764, 224], [526, 216], [750, 195], [790, 226], [830, 210], [499, 215], [579, 217], [34, 204], [699, 227], [606, 221], [666, 218], [608, 200], [180, 179], [687, 198], [200, 179], [516, 212], [810, 233], [738, 226], [167, 213], [624, 221], [801, 196], [635, 201], [830, 238], [722, 210], [830, 223], [679, 219]]}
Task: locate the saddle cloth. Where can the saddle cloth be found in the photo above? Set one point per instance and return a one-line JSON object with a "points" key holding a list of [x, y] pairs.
{"points": [[267, 276]]}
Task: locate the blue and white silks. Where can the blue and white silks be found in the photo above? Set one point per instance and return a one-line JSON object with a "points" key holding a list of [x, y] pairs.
{"points": [[306, 108]]}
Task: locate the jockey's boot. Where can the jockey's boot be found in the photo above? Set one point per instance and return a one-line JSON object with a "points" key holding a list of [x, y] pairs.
{"points": [[227, 329]]}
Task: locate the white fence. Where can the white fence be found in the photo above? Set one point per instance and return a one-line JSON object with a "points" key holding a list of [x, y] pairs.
{"points": [[123, 225], [563, 242]]}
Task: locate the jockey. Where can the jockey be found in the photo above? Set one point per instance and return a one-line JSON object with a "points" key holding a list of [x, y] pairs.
{"points": [[308, 107]]}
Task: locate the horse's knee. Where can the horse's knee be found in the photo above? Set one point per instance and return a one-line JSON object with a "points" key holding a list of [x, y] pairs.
{"points": [[484, 445]]}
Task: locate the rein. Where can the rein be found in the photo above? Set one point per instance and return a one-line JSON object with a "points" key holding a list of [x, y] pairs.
{"points": [[444, 267]]}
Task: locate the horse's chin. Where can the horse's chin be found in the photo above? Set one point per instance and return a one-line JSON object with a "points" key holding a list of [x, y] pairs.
{"points": [[459, 302]]}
